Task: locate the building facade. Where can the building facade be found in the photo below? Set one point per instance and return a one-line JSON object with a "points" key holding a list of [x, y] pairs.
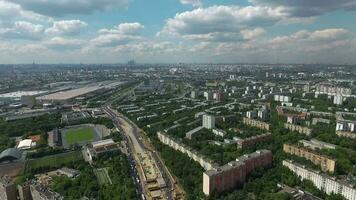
{"points": [[234, 173], [208, 121], [8, 190], [256, 123], [297, 128], [322, 181], [326, 163], [247, 142]]}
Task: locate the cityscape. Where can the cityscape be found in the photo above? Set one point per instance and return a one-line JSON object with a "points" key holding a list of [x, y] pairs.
{"points": [[177, 100]]}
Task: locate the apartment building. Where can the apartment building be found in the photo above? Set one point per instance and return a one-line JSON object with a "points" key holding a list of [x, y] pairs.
{"points": [[326, 163], [8, 188], [256, 123], [332, 90], [234, 173], [208, 121], [247, 142], [297, 128], [221, 178], [316, 144], [322, 181]]}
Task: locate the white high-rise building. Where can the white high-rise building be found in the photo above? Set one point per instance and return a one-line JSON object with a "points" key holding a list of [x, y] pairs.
{"points": [[208, 95], [251, 114], [208, 121], [338, 100]]}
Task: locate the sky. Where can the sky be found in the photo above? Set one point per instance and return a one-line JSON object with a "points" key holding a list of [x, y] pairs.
{"points": [[173, 31]]}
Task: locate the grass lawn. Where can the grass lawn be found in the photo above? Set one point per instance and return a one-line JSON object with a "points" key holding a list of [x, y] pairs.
{"points": [[102, 176], [79, 135], [54, 161]]}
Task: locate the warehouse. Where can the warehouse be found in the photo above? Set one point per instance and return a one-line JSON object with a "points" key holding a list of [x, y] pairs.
{"points": [[68, 95]]}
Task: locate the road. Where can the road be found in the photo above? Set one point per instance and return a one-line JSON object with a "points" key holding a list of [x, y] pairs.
{"points": [[138, 143], [120, 96]]}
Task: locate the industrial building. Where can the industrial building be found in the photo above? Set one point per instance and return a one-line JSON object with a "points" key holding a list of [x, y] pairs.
{"points": [[10, 155], [69, 95]]}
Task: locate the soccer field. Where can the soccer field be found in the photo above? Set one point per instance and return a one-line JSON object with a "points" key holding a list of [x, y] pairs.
{"points": [[78, 135], [102, 176]]}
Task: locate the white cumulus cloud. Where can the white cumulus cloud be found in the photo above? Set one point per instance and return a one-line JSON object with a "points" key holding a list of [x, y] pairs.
{"points": [[59, 8], [220, 21], [67, 27]]}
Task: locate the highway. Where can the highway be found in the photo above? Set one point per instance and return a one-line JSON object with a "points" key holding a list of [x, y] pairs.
{"points": [[139, 144]]}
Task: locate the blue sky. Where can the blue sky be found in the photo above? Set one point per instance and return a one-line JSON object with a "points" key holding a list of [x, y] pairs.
{"points": [[113, 31]]}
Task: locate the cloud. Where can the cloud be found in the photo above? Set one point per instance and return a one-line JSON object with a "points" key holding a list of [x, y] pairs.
{"points": [[11, 12], [307, 8], [297, 44], [22, 30], [59, 43], [119, 35], [66, 27], [195, 3], [252, 33], [60, 8], [124, 28], [220, 21], [306, 38]]}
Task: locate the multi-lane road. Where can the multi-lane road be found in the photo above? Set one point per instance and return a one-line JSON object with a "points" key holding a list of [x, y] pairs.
{"points": [[138, 144]]}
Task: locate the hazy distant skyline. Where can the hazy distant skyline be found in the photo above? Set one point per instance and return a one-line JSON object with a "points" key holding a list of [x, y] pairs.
{"points": [[170, 31]]}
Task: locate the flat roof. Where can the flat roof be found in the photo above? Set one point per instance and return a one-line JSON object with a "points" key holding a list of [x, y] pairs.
{"points": [[18, 94], [103, 142], [69, 94]]}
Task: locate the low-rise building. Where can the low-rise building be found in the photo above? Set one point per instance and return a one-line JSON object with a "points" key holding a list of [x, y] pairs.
{"points": [[256, 123], [326, 163], [189, 135], [8, 188], [99, 148], [297, 128], [322, 181], [219, 132], [282, 98], [316, 144], [41, 192], [320, 120], [346, 134], [247, 142]]}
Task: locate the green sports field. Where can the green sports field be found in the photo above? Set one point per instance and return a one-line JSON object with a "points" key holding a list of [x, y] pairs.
{"points": [[102, 176], [78, 135], [54, 161]]}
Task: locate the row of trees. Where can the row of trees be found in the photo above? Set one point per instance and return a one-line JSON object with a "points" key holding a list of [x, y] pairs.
{"points": [[87, 185]]}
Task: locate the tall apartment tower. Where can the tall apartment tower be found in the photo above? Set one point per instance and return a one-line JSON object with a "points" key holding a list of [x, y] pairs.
{"points": [[208, 121]]}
